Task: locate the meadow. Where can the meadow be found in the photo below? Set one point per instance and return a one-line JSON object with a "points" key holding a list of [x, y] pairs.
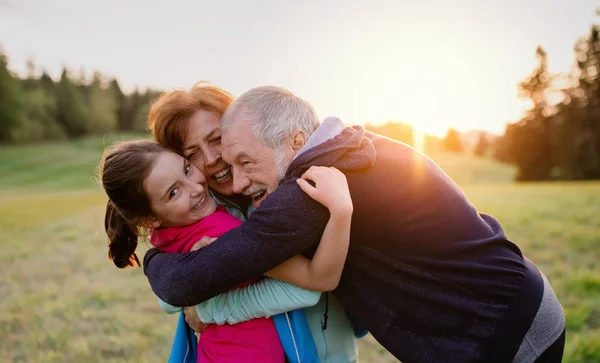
{"points": [[62, 300]]}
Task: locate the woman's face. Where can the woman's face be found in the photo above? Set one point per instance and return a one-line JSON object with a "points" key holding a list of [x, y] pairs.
{"points": [[202, 147]]}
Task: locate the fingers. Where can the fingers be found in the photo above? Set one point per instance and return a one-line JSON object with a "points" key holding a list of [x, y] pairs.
{"points": [[306, 187], [316, 172], [310, 173], [337, 171], [198, 327], [192, 319], [201, 327], [205, 241], [320, 174]]}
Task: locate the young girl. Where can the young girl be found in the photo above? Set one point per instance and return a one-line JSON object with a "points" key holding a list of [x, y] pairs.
{"points": [[152, 188]]}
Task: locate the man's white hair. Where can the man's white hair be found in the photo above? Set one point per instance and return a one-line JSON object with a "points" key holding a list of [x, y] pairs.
{"points": [[273, 113]]}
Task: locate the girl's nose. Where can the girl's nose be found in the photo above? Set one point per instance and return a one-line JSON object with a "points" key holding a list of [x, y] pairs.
{"points": [[197, 188]]}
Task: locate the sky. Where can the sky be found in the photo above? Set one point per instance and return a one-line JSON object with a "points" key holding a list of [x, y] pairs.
{"points": [[432, 63]]}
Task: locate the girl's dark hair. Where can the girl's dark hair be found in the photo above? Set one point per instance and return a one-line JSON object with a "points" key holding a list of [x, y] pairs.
{"points": [[123, 169]]}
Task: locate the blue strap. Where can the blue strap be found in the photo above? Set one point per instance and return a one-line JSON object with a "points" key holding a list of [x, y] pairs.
{"points": [[297, 342], [184, 348]]}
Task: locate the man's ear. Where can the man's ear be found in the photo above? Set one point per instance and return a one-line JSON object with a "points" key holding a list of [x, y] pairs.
{"points": [[298, 141]]}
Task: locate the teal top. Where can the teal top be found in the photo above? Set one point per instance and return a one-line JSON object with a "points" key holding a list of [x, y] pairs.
{"points": [[268, 297], [261, 299]]}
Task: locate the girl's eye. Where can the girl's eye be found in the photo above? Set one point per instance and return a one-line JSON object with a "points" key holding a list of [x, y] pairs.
{"points": [[188, 169], [173, 193]]}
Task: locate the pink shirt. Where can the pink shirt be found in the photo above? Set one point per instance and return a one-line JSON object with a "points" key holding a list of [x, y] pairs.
{"points": [[252, 341]]}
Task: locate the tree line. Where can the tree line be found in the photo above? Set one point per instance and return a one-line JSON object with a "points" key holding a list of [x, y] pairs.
{"points": [[558, 140], [37, 108]]}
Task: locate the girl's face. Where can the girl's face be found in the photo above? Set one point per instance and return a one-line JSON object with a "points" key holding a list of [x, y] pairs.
{"points": [[177, 192], [202, 147]]}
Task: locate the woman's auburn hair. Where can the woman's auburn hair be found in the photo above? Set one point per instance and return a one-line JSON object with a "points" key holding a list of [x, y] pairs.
{"points": [[169, 115]]}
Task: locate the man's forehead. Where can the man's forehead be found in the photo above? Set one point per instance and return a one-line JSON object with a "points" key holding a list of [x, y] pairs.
{"points": [[237, 132], [238, 122], [229, 144], [229, 139]]}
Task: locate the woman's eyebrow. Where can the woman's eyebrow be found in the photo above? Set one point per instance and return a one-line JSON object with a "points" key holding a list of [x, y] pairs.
{"points": [[212, 133], [191, 147]]}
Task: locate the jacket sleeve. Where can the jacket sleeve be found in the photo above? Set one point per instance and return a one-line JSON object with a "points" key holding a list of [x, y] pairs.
{"points": [[169, 309], [287, 223], [262, 299]]}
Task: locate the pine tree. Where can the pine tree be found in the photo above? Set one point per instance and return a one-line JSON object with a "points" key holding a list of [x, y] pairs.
{"points": [[12, 102], [452, 141], [72, 109], [482, 146]]}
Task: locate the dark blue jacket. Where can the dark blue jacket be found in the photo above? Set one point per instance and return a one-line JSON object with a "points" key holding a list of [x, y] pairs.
{"points": [[431, 278]]}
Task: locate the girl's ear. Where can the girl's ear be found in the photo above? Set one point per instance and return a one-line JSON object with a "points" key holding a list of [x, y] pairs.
{"points": [[149, 222]]}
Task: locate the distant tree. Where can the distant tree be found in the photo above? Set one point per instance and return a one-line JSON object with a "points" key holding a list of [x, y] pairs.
{"points": [[586, 98], [39, 121], [537, 85], [46, 82], [482, 146], [103, 106], [504, 146], [135, 101], [41, 118], [31, 68], [531, 141], [140, 121], [72, 109], [122, 105], [452, 141], [30, 81], [12, 102]]}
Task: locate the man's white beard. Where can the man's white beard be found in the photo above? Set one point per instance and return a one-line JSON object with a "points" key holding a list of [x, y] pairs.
{"points": [[281, 164]]}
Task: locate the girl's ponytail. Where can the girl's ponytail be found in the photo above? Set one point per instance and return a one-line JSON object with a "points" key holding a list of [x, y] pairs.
{"points": [[123, 170], [122, 240]]}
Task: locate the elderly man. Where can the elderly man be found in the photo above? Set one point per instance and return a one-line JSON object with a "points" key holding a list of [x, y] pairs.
{"points": [[431, 278]]}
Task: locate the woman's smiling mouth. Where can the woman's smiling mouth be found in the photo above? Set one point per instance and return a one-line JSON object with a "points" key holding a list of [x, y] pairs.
{"points": [[223, 176]]}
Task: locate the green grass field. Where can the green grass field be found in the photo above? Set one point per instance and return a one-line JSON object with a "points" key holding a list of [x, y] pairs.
{"points": [[63, 301]]}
